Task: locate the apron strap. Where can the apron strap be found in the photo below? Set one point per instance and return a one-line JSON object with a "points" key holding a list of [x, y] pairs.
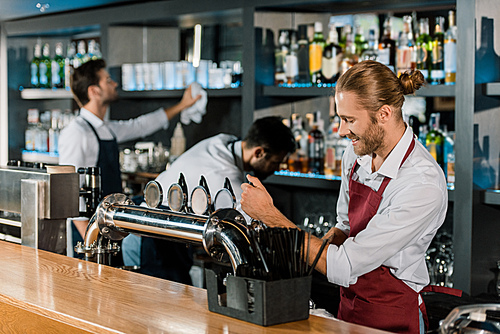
{"points": [[437, 289], [443, 289], [423, 309], [386, 180]]}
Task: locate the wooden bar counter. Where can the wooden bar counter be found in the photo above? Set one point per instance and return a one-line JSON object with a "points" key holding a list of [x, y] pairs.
{"points": [[43, 292]]}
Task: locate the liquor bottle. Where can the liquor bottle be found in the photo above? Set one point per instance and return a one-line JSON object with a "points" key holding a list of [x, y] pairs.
{"points": [[387, 47], [332, 138], [42, 134], [437, 72], [349, 55], [58, 67], [298, 161], [344, 31], [68, 65], [342, 144], [360, 42], [280, 54], [405, 59], [81, 55], [450, 51], [424, 48], [316, 146], [449, 156], [304, 76], [35, 66], [372, 52], [434, 140], [54, 130], [94, 50], [30, 132], [291, 60], [332, 56], [422, 134], [177, 142], [97, 51], [316, 53], [45, 67]]}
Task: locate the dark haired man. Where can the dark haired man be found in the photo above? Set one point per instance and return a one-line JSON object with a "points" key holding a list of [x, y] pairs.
{"points": [[267, 143], [89, 140]]}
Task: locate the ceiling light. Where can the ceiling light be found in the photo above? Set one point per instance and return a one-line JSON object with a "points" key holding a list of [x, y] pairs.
{"points": [[42, 6]]}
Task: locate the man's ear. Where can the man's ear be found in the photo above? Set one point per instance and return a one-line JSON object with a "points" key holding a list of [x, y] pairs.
{"points": [[384, 114], [93, 90], [259, 152]]}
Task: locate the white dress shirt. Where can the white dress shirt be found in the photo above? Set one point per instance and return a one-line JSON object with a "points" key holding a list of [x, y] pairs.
{"points": [[412, 209], [78, 145], [212, 158]]}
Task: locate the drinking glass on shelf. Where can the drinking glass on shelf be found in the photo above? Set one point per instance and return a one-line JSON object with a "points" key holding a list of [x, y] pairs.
{"points": [[317, 223], [440, 260], [498, 279]]}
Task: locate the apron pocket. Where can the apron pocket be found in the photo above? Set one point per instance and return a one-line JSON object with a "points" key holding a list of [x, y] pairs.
{"points": [[389, 318]]}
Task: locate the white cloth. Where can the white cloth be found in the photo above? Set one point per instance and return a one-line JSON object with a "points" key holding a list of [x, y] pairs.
{"points": [[213, 159], [78, 145], [198, 109], [412, 209]]}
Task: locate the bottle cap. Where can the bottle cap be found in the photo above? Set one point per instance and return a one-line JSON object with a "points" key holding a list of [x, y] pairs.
{"points": [[302, 32], [178, 132], [318, 27]]}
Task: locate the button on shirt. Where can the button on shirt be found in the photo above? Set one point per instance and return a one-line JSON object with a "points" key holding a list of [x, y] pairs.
{"points": [[78, 145], [412, 209]]}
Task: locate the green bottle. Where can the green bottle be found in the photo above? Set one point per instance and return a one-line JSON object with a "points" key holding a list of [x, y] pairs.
{"points": [[434, 140], [360, 42], [45, 67], [58, 67], [424, 48], [35, 66], [437, 72], [332, 56], [316, 53]]}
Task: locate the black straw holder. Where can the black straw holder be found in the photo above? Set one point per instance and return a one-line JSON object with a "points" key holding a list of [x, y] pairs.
{"points": [[260, 302]]}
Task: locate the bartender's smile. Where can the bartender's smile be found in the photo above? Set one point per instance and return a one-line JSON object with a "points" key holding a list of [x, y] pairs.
{"points": [[358, 125]]}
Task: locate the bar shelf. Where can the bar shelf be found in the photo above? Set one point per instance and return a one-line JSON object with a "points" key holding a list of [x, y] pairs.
{"points": [[304, 180], [491, 196], [492, 89], [177, 93], [314, 91], [45, 93]]}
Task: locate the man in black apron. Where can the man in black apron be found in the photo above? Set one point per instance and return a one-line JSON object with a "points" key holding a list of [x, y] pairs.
{"points": [[90, 141]]}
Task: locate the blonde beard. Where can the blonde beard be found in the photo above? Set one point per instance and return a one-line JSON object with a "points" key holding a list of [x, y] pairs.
{"points": [[371, 141]]}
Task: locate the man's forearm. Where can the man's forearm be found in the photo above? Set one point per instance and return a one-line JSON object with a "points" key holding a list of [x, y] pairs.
{"points": [[274, 218], [174, 110]]}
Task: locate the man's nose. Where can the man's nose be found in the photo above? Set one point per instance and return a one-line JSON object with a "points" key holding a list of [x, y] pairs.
{"points": [[343, 129]]}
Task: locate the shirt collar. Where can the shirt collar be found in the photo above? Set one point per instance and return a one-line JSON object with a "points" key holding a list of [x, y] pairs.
{"points": [[393, 161], [238, 154], [91, 118]]}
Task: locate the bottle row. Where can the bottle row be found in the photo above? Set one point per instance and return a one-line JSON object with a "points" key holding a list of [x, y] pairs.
{"points": [[320, 152], [178, 75], [302, 58], [42, 132], [441, 145], [317, 152], [47, 71]]}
